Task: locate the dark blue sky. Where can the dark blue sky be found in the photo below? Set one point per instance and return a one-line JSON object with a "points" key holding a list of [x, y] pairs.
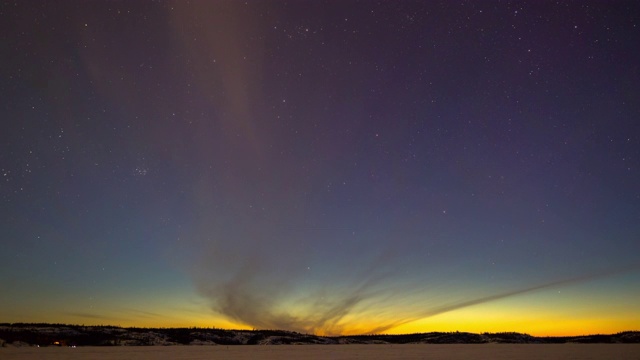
{"points": [[327, 166]]}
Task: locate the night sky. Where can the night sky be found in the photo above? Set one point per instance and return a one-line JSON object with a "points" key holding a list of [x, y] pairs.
{"points": [[321, 166]]}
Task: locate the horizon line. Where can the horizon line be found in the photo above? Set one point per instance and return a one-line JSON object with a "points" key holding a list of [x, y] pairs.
{"points": [[324, 336]]}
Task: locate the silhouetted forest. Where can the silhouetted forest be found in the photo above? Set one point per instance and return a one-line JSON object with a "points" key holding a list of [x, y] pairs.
{"points": [[21, 334]]}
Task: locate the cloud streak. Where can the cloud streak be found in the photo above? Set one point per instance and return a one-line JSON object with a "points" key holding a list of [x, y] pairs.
{"points": [[448, 307], [371, 301]]}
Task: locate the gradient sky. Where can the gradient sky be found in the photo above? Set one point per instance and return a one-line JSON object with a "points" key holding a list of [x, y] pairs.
{"points": [[322, 166]]}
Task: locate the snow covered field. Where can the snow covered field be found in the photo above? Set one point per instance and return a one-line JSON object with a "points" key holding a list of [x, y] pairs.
{"points": [[337, 352]]}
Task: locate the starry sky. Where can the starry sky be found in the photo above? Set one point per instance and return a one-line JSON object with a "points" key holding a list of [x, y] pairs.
{"points": [[330, 167]]}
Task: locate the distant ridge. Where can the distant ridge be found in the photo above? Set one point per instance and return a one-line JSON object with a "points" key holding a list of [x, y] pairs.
{"points": [[22, 334]]}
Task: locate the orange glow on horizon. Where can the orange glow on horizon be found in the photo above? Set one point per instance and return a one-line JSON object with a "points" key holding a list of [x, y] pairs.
{"points": [[527, 324], [571, 315]]}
